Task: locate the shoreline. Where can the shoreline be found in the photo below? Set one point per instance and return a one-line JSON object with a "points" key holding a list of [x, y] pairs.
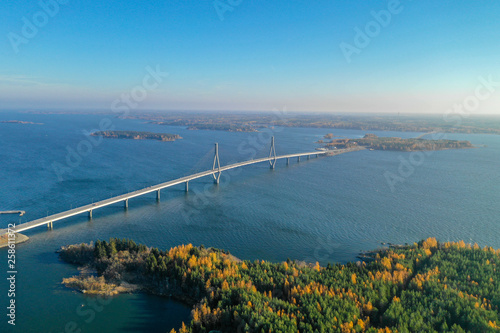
{"points": [[20, 238]]}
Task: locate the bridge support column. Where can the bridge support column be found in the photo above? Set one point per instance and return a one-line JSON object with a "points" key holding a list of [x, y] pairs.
{"points": [[288, 161], [272, 153], [125, 203], [298, 158], [90, 214], [216, 163], [308, 157], [158, 195], [187, 186], [49, 225]]}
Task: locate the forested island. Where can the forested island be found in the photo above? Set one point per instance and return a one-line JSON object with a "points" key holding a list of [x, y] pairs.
{"points": [[194, 125], [372, 141], [19, 122], [137, 135], [423, 287]]}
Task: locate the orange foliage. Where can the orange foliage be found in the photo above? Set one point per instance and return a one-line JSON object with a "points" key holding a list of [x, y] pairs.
{"points": [[386, 262], [430, 243], [317, 267]]}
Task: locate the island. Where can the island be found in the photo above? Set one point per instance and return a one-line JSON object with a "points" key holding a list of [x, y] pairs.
{"points": [[19, 122], [423, 287], [374, 142], [135, 135], [228, 127]]}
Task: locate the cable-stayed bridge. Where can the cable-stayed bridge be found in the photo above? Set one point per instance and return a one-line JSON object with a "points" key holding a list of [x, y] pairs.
{"points": [[215, 172]]}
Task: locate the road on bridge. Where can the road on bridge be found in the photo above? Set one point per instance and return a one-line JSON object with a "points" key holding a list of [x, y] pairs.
{"points": [[217, 169]]}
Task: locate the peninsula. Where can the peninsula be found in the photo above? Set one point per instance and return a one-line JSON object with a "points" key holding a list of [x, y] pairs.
{"points": [[424, 287], [135, 135], [372, 141], [16, 238]]}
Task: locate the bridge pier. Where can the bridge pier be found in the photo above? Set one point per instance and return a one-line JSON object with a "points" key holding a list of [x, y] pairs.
{"points": [[308, 157], [125, 203], [90, 214], [216, 163], [272, 153], [49, 225], [187, 186], [158, 195], [298, 158], [288, 161]]}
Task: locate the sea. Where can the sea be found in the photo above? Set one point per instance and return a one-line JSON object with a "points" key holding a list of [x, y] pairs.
{"points": [[325, 209]]}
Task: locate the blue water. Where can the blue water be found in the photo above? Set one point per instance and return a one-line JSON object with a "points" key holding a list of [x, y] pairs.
{"points": [[324, 209]]}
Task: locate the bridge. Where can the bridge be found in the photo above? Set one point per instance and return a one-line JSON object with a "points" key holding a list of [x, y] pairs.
{"points": [[216, 171]]}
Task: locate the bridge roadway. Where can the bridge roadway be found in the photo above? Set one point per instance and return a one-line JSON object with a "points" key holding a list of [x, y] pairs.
{"points": [[156, 188]]}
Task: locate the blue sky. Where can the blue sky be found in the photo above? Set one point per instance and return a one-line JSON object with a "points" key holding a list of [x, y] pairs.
{"points": [[262, 55]]}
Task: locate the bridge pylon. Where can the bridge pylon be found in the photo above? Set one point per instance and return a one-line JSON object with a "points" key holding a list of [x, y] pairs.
{"points": [[272, 153], [216, 163]]}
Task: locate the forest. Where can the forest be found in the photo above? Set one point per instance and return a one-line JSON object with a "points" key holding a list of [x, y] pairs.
{"points": [[424, 287], [135, 135], [392, 143]]}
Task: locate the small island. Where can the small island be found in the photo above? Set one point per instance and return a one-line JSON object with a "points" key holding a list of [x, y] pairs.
{"points": [[19, 122], [374, 142], [424, 287], [135, 135]]}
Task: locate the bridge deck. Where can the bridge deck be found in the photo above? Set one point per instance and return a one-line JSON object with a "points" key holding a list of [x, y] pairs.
{"points": [[123, 197]]}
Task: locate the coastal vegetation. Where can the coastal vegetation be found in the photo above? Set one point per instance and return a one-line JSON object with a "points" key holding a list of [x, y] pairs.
{"points": [[423, 287], [135, 135], [392, 143]]}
